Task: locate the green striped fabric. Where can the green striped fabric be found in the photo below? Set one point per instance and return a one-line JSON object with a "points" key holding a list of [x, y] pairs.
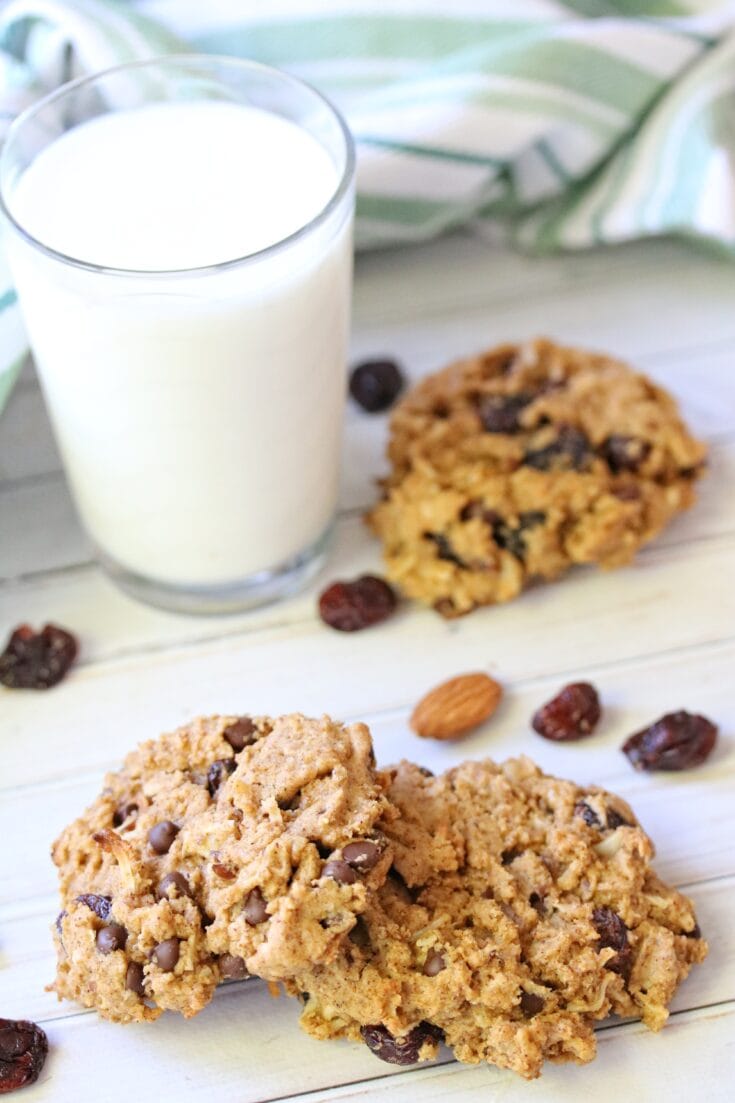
{"points": [[569, 123]]}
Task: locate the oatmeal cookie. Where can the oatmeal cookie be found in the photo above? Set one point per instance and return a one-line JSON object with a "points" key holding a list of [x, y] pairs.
{"points": [[512, 466], [231, 846], [520, 909]]}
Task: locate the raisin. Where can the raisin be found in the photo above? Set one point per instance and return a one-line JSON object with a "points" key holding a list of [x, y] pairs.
{"points": [[614, 820], [613, 934], [500, 413], [623, 453], [100, 905], [570, 451], [403, 1050], [23, 1050], [37, 660], [572, 714], [351, 606], [376, 384], [512, 539], [444, 549], [678, 741], [590, 817]]}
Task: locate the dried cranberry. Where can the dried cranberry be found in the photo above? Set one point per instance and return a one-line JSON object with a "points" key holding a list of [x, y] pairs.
{"points": [[500, 413], [399, 1051], [37, 660], [624, 453], [678, 741], [23, 1050], [572, 714], [376, 384], [613, 934], [570, 451], [350, 606], [100, 905]]}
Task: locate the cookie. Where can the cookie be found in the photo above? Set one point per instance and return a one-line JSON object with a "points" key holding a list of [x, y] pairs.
{"points": [[231, 846], [512, 466], [519, 911]]}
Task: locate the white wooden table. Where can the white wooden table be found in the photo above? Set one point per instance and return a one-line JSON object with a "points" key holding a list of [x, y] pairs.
{"points": [[656, 636]]}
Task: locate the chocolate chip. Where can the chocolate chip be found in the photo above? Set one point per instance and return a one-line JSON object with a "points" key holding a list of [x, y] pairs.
{"points": [[171, 880], [339, 871], [162, 835], [425, 771], [352, 606], [572, 714], [376, 384], [531, 1004], [361, 855], [537, 902], [613, 934], [37, 660], [510, 855], [434, 963], [135, 978], [570, 451], [232, 967], [444, 549], [218, 772], [242, 733], [678, 741], [500, 413], [23, 1050], [623, 453], [256, 908], [100, 905], [695, 931], [166, 954], [122, 812], [399, 1051], [111, 938]]}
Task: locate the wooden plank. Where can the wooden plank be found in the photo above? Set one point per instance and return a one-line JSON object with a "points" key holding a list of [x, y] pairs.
{"points": [[632, 1063], [247, 1046], [110, 623], [671, 598]]}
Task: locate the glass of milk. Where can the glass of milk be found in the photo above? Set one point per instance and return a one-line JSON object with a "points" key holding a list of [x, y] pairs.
{"points": [[180, 236]]}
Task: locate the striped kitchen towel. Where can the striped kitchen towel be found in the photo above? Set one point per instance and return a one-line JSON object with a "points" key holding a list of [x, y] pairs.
{"points": [[571, 123]]}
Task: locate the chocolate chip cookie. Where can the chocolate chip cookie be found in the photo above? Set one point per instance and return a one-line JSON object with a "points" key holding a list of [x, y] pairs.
{"points": [[519, 910], [514, 465], [234, 845]]}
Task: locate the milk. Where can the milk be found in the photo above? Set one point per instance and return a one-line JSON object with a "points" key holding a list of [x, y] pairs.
{"points": [[198, 414]]}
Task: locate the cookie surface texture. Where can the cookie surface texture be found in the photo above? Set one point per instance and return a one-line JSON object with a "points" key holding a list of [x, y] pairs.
{"points": [[217, 851], [520, 910], [512, 466]]}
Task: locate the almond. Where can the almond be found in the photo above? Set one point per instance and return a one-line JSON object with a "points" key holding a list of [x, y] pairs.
{"points": [[456, 706]]}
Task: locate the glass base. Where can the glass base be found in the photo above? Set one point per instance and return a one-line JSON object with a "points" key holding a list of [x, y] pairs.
{"points": [[257, 589]]}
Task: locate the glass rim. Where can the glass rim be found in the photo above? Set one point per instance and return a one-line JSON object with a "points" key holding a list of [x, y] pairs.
{"points": [[162, 60]]}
